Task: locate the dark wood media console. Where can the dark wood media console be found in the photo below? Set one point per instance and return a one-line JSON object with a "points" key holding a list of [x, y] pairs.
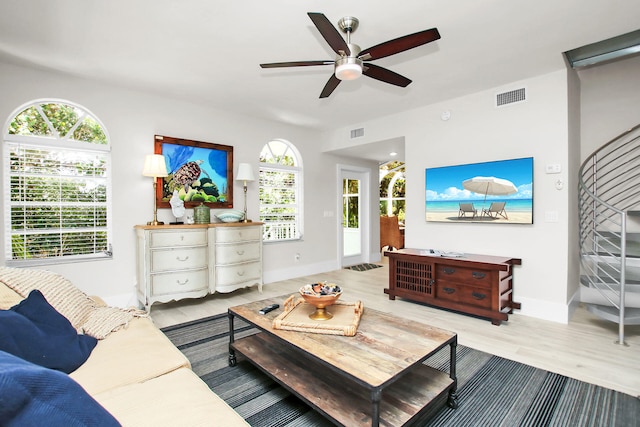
{"points": [[481, 285]]}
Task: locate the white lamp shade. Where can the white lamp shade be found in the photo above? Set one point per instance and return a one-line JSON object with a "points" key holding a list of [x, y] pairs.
{"points": [[245, 172], [155, 166], [348, 71]]}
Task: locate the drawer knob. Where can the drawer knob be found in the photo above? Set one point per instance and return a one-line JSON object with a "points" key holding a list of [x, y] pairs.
{"points": [[448, 290], [182, 283], [182, 259], [449, 270], [478, 275], [240, 252], [478, 295]]}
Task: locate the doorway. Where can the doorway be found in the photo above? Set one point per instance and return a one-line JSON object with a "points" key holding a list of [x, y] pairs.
{"points": [[354, 220]]}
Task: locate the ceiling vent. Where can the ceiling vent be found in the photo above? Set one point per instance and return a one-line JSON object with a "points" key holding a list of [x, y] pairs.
{"points": [[357, 133], [511, 97]]}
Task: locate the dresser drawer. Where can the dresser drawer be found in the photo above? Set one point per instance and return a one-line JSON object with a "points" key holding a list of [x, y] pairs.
{"points": [[178, 259], [228, 275], [164, 239], [179, 282], [238, 234], [468, 295], [232, 254], [468, 276]]}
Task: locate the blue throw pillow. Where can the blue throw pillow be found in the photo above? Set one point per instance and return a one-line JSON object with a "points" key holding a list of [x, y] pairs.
{"points": [[33, 330], [31, 395]]}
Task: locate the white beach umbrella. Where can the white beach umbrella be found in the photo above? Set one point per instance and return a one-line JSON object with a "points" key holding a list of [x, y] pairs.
{"points": [[489, 185]]}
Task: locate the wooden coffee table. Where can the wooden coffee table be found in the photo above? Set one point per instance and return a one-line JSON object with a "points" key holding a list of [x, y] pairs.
{"points": [[376, 377]]}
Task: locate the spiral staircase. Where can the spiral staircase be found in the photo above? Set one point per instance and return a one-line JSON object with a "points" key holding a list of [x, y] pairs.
{"points": [[609, 211]]}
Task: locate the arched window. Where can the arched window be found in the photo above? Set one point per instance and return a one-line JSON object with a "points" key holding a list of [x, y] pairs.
{"points": [[56, 158], [281, 191], [392, 189]]}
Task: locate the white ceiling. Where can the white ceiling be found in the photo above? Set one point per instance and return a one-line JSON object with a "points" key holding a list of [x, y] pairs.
{"points": [[208, 51]]}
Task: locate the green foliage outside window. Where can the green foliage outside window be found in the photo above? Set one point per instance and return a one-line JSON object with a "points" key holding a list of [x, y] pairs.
{"points": [[62, 118], [394, 194], [279, 185], [351, 201], [58, 195]]}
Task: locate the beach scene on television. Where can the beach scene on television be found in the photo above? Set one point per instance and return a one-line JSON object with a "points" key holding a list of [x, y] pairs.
{"points": [[491, 192]]}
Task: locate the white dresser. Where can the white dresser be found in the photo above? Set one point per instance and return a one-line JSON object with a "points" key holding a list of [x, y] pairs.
{"points": [[191, 261]]}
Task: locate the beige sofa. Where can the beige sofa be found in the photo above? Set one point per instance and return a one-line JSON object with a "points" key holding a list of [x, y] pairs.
{"points": [[134, 372]]}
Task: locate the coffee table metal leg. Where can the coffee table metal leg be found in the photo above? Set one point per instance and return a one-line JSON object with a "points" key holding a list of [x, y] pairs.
{"points": [[376, 395], [452, 401], [232, 352]]}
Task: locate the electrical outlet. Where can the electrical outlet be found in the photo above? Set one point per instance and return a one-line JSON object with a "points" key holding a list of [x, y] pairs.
{"points": [[551, 216]]}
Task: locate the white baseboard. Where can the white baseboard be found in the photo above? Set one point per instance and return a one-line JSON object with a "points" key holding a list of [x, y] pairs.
{"points": [[303, 270], [544, 310]]}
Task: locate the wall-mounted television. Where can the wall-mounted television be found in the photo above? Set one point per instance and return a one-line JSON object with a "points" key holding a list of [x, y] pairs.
{"points": [[497, 192]]}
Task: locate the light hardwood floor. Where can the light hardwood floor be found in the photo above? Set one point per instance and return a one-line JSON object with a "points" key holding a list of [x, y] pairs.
{"points": [[583, 349]]}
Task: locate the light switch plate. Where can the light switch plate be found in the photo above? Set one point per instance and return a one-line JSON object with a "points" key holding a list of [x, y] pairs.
{"points": [[553, 168]]}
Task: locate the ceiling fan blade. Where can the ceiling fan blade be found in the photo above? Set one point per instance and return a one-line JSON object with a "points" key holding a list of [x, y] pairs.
{"points": [[329, 32], [384, 75], [296, 64], [330, 86], [400, 44]]}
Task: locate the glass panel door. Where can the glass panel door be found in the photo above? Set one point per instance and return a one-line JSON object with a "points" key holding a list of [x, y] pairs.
{"points": [[352, 240]]}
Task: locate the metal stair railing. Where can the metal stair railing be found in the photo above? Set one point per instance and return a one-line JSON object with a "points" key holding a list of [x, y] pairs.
{"points": [[609, 188]]}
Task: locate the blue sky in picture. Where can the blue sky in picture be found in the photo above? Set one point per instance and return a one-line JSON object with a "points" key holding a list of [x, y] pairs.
{"points": [[445, 183]]}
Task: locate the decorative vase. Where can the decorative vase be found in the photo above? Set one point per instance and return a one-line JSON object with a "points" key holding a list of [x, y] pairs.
{"points": [[202, 214]]}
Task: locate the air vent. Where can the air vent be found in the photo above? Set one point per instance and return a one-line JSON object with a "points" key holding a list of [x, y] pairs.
{"points": [[357, 133], [505, 98]]}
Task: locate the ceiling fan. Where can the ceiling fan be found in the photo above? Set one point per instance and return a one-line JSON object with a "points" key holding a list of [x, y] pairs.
{"points": [[350, 62]]}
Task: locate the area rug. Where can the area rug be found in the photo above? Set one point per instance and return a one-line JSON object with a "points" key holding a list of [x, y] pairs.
{"points": [[492, 391], [363, 267]]}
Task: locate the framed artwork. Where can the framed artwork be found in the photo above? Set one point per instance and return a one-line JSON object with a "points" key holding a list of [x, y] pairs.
{"points": [[490, 192], [201, 172]]}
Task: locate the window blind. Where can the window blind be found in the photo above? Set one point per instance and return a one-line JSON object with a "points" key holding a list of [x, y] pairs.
{"points": [[56, 202], [279, 204]]}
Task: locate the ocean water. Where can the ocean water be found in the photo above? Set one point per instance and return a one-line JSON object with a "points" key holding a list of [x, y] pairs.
{"points": [[513, 205]]}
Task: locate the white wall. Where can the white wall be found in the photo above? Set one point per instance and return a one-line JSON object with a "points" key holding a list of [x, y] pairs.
{"points": [[544, 127], [574, 151], [610, 102], [132, 119], [478, 132]]}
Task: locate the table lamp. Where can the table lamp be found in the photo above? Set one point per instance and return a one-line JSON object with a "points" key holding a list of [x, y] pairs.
{"points": [[156, 167], [245, 173]]}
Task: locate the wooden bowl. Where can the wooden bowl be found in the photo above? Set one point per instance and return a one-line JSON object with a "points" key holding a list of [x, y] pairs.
{"points": [[312, 295]]}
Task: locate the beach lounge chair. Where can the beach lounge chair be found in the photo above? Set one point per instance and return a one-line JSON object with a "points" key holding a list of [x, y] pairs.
{"points": [[466, 208], [496, 208]]}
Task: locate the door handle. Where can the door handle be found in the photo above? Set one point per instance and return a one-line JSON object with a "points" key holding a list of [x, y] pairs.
{"points": [[478, 295]]}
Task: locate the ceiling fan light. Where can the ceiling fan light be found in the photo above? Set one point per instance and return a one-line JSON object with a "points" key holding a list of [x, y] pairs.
{"points": [[348, 68]]}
